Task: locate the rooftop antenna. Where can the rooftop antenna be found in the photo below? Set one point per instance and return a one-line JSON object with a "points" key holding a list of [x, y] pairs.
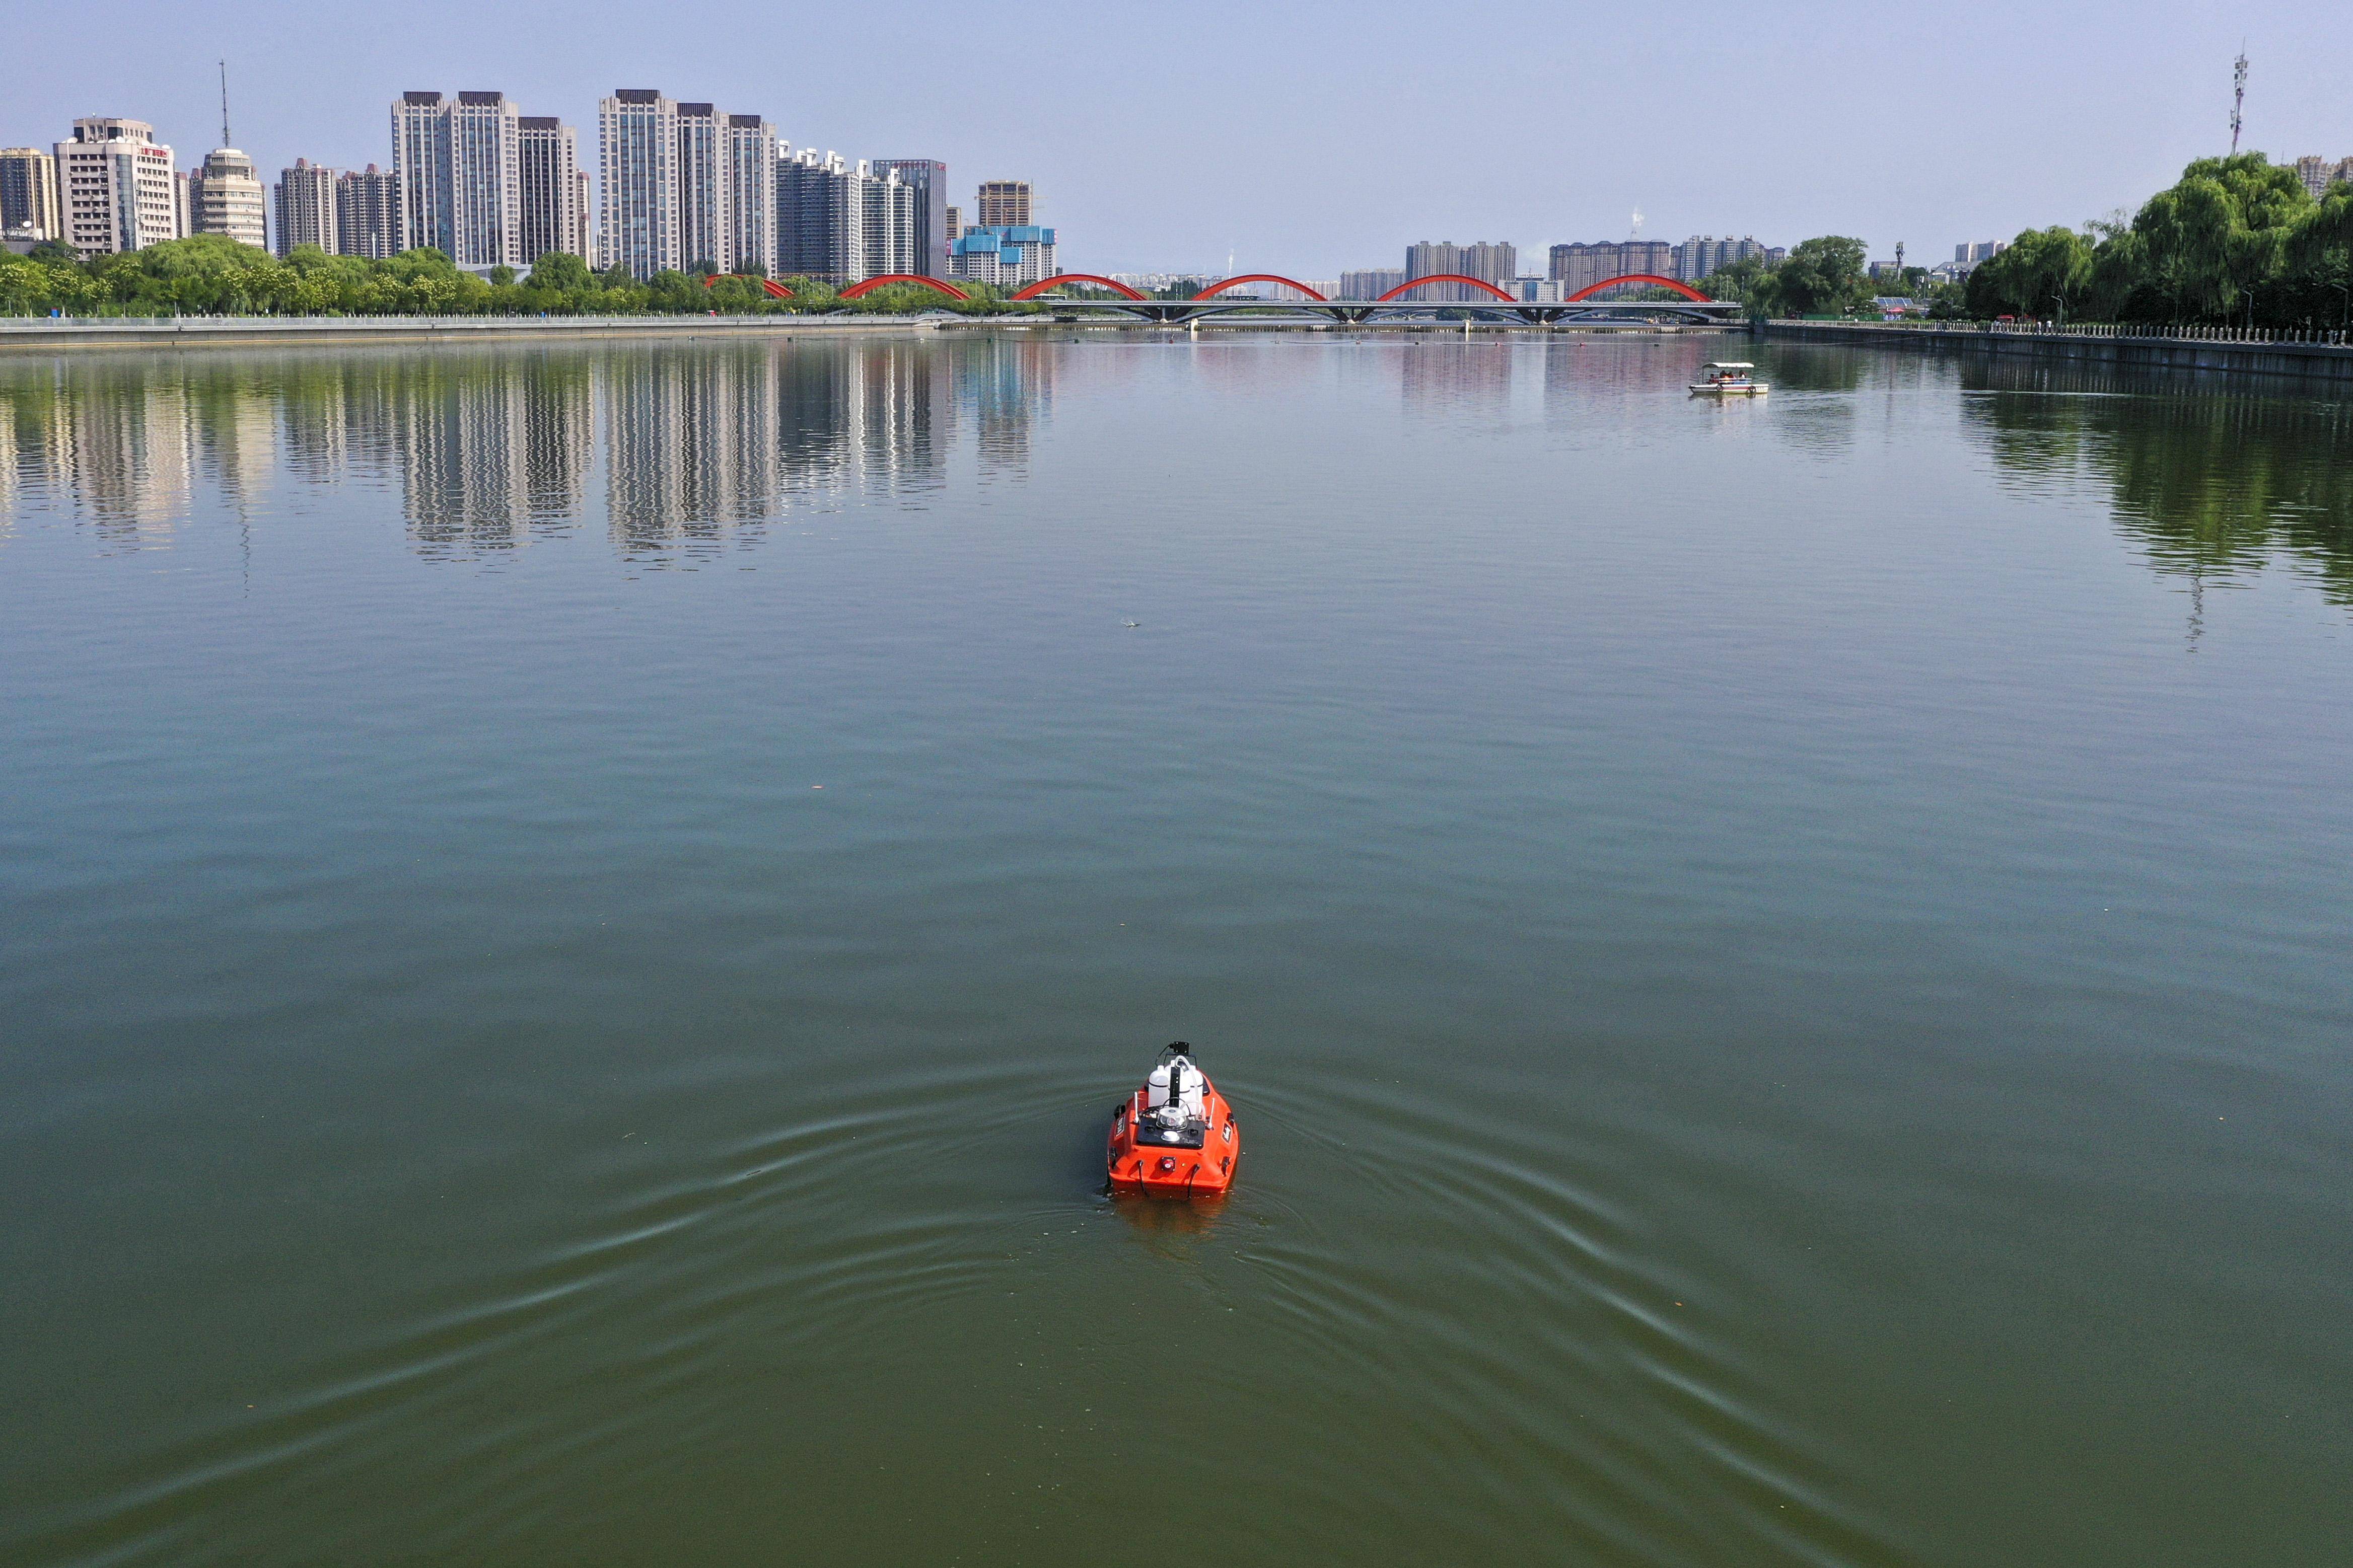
{"points": [[2238, 94], [225, 141]]}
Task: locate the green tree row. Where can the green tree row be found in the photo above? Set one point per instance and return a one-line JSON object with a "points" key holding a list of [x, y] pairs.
{"points": [[214, 274], [2238, 241]]}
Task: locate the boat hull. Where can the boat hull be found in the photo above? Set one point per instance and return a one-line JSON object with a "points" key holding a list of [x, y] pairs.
{"points": [[1137, 1165]]}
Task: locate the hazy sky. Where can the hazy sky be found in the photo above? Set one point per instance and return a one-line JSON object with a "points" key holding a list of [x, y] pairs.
{"points": [[1310, 138]]}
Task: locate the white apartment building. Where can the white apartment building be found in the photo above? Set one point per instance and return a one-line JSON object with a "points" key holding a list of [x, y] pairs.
{"points": [[485, 155], [115, 188], [367, 214], [458, 166], [706, 226], [305, 199], [1011, 255], [890, 224], [29, 194], [751, 153], [843, 222], [226, 197], [637, 135], [584, 235]]}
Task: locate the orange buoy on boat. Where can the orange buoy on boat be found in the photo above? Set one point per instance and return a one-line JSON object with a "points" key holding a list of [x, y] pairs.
{"points": [[1175, 1137]]}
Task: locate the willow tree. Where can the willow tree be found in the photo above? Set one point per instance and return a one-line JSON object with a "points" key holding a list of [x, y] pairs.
{"points": [[2043, 273], [2221, 233]]}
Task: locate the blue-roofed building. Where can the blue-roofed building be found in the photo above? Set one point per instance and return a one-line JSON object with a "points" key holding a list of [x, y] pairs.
{"points": [[1009, 256]]}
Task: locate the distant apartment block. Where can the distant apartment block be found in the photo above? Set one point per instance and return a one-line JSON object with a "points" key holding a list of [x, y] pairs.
{"points": [[1164, 284], [927, 180], [368, 214], [459, 163], [1003, 203], [304, 200], [2319, 174], [1581, 265], [892, 224], [1702, 254], [1968, 254], [1008, 256], [583, 212], [29, 194], [638, 138], [687, 186], [116, 187], [1492, 262], [226, 197], [705, 229], [1370, 284], [842, 222], [953, 224], [750, 155], [548, 187]]}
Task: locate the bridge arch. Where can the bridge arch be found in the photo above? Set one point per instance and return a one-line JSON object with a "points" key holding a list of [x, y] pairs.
{"points": [[1448, 277], [1219, 287], [1685, 289], [775, 290], [1055, 281], [859, 291]]}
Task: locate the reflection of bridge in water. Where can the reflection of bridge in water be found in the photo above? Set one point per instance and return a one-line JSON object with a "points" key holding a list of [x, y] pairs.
{"points": [[1684, 305], [1477, 300]]}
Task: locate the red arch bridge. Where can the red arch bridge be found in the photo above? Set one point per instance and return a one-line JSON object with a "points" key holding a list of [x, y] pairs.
{"points": [[1486, 301]]}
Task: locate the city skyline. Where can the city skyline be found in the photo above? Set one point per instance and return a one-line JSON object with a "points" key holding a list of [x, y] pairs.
{"points": [[1540, 145]]}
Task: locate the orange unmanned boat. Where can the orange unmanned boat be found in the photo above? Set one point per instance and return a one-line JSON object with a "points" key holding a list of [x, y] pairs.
{"points": [[1175, 1137]]}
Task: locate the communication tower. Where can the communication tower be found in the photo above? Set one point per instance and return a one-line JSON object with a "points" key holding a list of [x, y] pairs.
{"points": [[2238, 96]]}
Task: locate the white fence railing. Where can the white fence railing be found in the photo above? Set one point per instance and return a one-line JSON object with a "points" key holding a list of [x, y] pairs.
{"points": [[2313, 337]]}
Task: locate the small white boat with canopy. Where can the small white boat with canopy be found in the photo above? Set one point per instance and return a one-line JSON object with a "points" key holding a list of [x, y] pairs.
{"points": [[1728, 378]]}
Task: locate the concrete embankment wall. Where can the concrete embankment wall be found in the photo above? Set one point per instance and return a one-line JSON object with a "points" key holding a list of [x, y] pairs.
{"points": [[2304, 362], [49, 334]]}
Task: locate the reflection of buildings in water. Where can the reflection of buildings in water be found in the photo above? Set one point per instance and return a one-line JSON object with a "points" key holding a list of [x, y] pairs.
{"points": [[1450, 371], [1636, 364], [316, 415], [674, 420], [491, 450], [698, 440], [1007, 383], [485, 448], [122, 452], [236, 430]]}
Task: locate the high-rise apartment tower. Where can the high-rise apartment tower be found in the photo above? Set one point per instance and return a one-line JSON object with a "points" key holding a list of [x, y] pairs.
{"points": [[547, 164], [226, 197], [1004, 204], [368, 214], [458, 164], [115, 188], [637, 131], [306, 208], [28, 194], [927, 179], [748, 156]]}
